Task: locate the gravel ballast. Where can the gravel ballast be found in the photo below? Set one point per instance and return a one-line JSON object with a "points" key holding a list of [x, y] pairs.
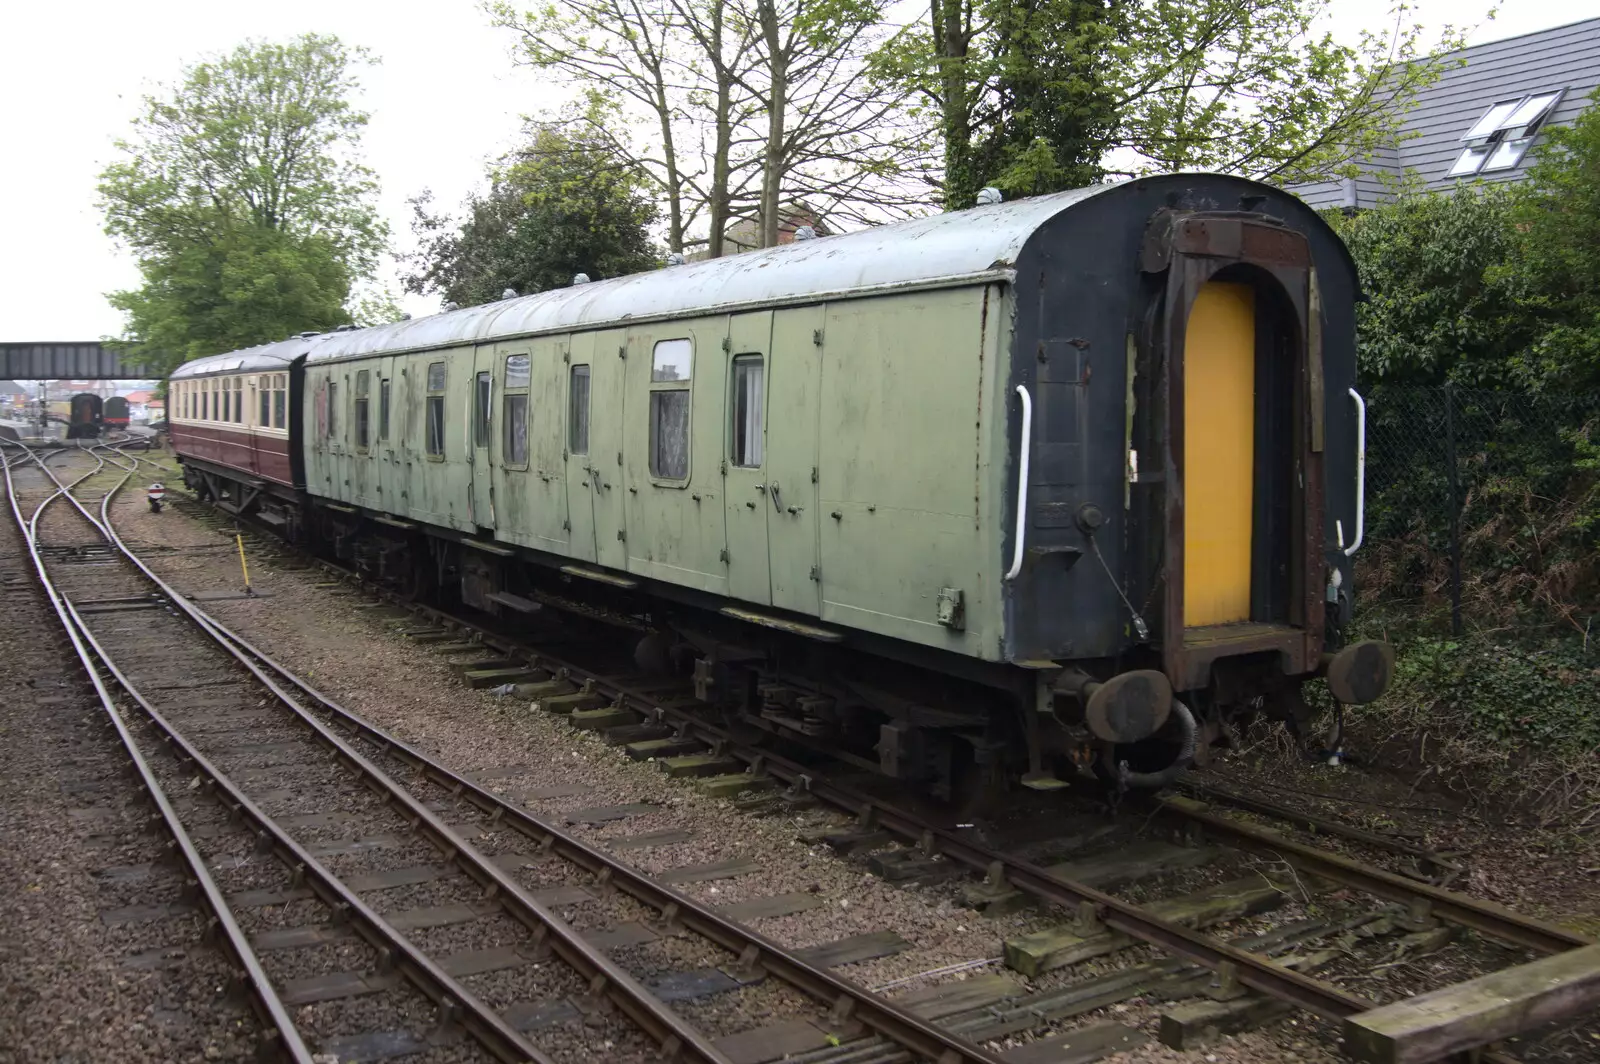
{"points": [[69, 988], [359, 659]]}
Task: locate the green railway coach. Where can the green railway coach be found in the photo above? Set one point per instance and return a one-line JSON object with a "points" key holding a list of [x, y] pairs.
{"points": [[962, 498]]}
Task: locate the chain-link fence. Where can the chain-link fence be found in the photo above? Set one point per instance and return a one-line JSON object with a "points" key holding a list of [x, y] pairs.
{"points": [[1482, 509]]}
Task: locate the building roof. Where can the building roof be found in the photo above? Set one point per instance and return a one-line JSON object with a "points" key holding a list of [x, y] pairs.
{"points": [[1528, 68], [11, 388]]}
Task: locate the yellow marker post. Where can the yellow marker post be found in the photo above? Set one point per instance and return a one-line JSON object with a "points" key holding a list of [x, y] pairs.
{"points": [[239, 539]]}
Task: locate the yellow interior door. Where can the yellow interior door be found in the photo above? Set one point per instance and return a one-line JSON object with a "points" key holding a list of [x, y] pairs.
{"points": [[1219, 407]]}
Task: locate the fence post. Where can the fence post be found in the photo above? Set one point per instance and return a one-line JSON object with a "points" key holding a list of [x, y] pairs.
{"points": [[1455, 509]]}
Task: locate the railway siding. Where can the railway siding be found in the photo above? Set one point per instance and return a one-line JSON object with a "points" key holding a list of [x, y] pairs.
{"points": [[599, 700]]}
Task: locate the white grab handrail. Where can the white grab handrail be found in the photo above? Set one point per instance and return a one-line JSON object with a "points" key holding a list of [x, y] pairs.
{"points": [[1022, 482], [1361, 472]]}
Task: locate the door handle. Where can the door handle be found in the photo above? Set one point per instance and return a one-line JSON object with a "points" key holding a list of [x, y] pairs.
{"points": [[777, 498], [1025, 444], [1361, 477]]}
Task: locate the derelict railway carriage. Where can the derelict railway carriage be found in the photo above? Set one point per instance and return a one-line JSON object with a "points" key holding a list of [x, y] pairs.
{"points": [[965, 497]]}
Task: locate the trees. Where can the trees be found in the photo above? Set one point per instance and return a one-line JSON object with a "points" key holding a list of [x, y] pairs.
{"points": [[1038, 95], [642, 69], [1490, 285], [242, 198], [1441, 306], [731, 109], [561, 205], [1558, 224], [1016, 89]]}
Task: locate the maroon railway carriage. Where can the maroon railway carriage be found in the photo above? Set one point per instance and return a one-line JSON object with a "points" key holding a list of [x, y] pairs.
{"points": [[235, 414]]}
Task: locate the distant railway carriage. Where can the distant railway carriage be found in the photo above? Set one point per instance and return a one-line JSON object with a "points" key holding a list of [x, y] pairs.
{"points": [[963, 497], [115, 413], [229, 418], [84, 417]]}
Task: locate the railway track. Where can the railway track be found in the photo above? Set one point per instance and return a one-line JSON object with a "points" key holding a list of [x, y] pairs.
{"points": [[668, 724], [298, 840]]}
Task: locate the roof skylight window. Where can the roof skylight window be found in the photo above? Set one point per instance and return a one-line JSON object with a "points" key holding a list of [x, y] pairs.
{"points": [[1500, 139]]}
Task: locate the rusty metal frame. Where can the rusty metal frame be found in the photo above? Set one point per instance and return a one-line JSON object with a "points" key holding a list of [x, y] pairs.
{"points": [[1191, 248]]}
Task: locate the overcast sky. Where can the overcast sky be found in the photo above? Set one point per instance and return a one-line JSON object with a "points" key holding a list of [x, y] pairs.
{"points": [[445, 99]]}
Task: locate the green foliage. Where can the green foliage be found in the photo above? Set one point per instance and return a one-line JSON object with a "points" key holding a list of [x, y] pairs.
{"points": [[562, 205], [1017, 90], [1141, 86], [1543, 696], [1440, 303], [247, 285], [241, 198], [1491, 285], [1252, 87], [1558, 225]]}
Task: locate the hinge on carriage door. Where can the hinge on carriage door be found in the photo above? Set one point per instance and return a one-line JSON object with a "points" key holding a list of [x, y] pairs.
{"points": [[727, 343]]}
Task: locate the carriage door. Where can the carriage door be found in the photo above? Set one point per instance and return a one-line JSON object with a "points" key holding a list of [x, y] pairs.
{"points": [[607, 391], [578, 363], [1219, 454], [744, 457], [386, 432], [482, 450], [795, 385]]}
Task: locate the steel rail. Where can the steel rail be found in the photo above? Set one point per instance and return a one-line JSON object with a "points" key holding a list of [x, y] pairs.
{"points": [[455, 1001], [1304, 991], [1317, 823], [267, 1004], [604, 976], [1258, 973], [1485, 917], [849, 1000]]}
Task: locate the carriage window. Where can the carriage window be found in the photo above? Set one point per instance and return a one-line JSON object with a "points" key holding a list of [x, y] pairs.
{"points": [[280, 396], [669, 409], [480, 421], [383, 409], [333, 409], [238, 400], [205, 399], [748, 422], [363, 383], [517, 372], [264, 393], [578, 410], [435, 434], [515, 444]]}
